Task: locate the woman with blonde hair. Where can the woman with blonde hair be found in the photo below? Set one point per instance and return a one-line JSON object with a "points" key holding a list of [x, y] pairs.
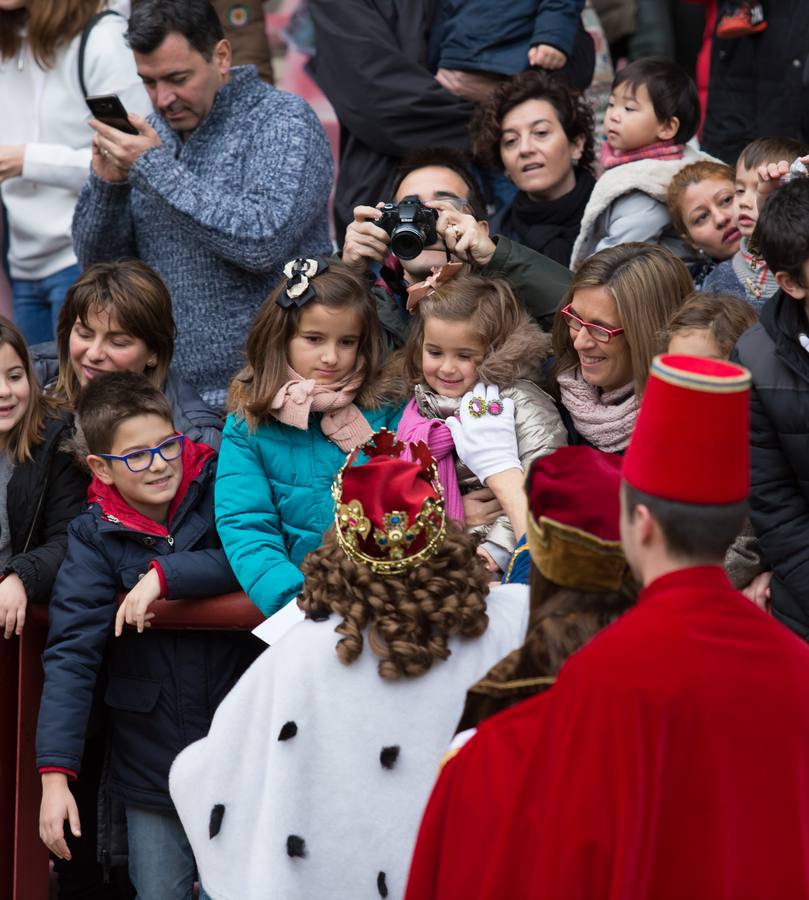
{"points": [[53, 54], [606, 334], [339, 727]]}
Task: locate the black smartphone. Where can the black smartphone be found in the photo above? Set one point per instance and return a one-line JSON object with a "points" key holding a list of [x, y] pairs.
{"points": [[109, 110]]}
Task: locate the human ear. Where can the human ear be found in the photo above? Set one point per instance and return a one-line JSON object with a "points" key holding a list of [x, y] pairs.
{"points": [[577, 146], [790, 286], [223, 56], [666, 130], [100, 468], [644, 525]]}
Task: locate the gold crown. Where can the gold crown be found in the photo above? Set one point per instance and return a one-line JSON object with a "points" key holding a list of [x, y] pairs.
{"points": [[394, 536]]}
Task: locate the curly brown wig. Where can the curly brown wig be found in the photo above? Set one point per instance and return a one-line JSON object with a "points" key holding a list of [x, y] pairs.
{"points": [[573, 111], [409, 617]]}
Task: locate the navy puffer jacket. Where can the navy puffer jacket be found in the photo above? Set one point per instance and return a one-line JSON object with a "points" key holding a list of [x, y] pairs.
{"points": [[478, 35], [163, 686]]}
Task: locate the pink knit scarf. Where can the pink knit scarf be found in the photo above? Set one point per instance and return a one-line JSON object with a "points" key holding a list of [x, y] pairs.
{"points": [[342, 421], [414, 427], [604, 418], [662, 150]]}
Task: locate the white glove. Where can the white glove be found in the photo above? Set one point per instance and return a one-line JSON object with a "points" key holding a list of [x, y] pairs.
{"points": [[486, 444]]}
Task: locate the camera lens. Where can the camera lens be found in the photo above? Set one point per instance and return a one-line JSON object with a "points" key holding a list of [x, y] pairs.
{"points": [[407, 241]]}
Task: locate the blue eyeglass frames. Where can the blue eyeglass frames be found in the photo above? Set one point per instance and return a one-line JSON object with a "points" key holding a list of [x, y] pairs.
{"points": [[140, 460]]}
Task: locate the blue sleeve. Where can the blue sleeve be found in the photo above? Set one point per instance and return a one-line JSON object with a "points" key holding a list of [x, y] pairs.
{"points": [[290, 175], [249, 523], [556, 24], [197, 573], [518, 570], [102, 223], [82, 612]]}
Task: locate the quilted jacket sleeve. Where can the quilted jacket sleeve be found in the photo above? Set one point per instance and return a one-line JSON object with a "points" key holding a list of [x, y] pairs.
{"points": [[82, 611], [249, 523]]}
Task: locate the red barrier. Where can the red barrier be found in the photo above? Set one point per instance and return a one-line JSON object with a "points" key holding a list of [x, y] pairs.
{"points": [[23, 857], [9, 653]]}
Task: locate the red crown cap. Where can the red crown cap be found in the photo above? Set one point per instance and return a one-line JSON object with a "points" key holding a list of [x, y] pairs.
{"points": [[389, 511], [691, 442], [577, 487], [573, 531]]}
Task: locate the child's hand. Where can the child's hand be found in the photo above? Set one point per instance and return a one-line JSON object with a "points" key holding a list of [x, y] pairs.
{"points": [[546, 57], [484, 432], [488, 561], [13, 602], [134, 609], [57, 805], [759, 591], [771, 175], [474, 86], [480, 507]]}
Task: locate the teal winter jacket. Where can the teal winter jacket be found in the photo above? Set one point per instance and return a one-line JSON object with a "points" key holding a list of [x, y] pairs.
{"points": [[273, 500]]}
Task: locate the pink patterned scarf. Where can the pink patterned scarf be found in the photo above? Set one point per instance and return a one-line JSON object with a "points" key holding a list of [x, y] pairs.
{"points": [[662, 150], [604, 418], [435, 434], [342, 421]]}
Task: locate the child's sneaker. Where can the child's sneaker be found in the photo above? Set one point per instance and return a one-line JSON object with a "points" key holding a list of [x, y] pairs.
{"points": [[743, 20]]}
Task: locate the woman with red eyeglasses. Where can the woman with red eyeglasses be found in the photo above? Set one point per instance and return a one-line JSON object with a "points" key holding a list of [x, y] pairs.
{"points": [[605, 335]]}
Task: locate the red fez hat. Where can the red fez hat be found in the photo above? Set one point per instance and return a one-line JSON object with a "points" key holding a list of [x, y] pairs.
{"points": [[691, 442], [573, 519], [389, 511]]}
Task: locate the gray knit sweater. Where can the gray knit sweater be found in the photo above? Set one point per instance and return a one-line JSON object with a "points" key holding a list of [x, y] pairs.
{"points": [[217, 216]]}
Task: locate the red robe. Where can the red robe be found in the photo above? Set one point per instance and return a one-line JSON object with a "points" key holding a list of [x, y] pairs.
{"points": [[669, 762]]}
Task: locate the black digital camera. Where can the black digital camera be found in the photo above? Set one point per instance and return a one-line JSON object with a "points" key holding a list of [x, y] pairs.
{"points": [[411, 226]]}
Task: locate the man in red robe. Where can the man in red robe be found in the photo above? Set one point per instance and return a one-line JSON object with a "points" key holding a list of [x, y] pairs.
{"points": [[671, 759]]}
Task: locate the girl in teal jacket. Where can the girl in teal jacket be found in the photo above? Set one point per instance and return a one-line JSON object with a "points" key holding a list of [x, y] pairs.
{"points": [[294, 418]]}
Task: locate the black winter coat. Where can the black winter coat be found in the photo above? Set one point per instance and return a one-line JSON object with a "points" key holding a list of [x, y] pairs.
{"points": [[163, 686], [371, 63], [779, 458], [759, 85], [44, 494]]}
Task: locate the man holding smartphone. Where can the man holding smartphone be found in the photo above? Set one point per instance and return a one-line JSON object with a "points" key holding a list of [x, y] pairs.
{"points": [[216, 191]]}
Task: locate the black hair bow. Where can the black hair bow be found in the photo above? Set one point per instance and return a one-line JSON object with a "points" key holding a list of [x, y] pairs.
{"points": [[299, 273]]}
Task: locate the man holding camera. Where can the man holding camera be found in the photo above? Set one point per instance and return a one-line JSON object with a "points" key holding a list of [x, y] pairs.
{"points": [[217, 191], [439, 180]]}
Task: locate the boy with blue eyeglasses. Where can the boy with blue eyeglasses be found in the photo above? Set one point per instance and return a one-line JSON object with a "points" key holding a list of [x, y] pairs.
{"points": [[148, 533]]}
